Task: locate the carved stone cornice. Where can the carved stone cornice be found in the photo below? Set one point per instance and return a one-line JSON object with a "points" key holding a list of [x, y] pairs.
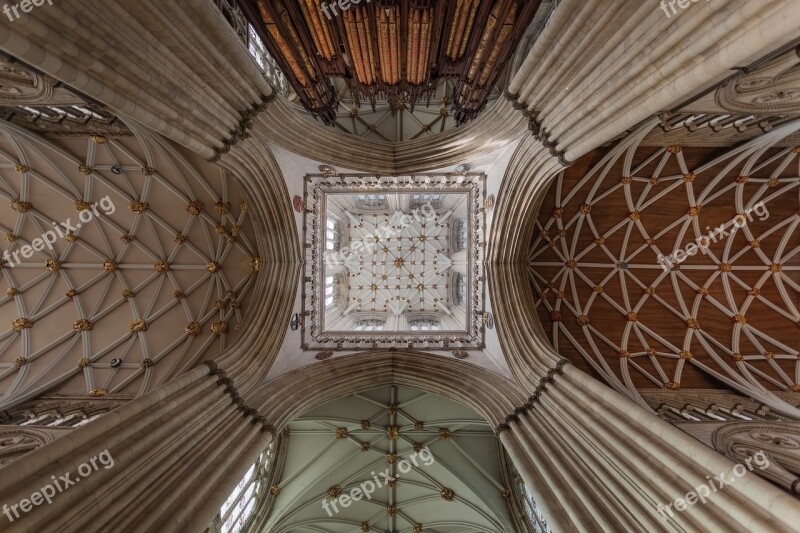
{"points": [[241, 131], [238, 401], [514, 417]]}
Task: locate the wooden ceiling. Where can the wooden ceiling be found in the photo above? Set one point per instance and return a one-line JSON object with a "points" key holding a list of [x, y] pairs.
{"points": [[725, 319], [397, 50]]}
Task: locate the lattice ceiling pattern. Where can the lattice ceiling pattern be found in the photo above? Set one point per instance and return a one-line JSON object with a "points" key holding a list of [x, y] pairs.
{"points": [[146, 288], [336, 447], [411, 268], [725, 318]]}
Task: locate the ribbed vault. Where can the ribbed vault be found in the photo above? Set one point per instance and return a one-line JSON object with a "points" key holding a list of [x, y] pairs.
{"points": [[337, 446], [132, 296]]}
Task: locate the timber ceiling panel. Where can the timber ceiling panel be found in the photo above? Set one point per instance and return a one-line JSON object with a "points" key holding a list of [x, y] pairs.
{"points": [[398, 50], [728, 317]]}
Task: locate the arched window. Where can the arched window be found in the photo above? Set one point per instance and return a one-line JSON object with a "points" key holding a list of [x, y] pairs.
{"points": [[424, 323], [526, 500], [460, 289], [460, 234], [369, 324], [419, 200], [331, 290], [371, 201], [240, 504], [332, 235]]}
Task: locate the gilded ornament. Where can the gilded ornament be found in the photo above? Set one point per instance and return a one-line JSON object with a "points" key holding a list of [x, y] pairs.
{"points": [[694, 211], [600, 241], [773, 182], [18, 324], [70, 237], [85, 169], [127, 293], [20, 361], [179, 295], [137, 326], [96, 138], [445, 433], [22, 169], [391, 510], [739, 319], [725, 267], [685, 354], [672, 385], [219, 229], [623, 354], [393, 432], [328, 171], [11, 292], [755, 244], [212, 267], [366, 424], [254, 264], [634, 215], [222, 208], [161, 266], [583, 320], [692, 323], [506, 494], [448, 494], [334, 492], [243, 207], [341, 433], [626, 180], [10, 237], [324, 354], [127, 238], [742, 179], [218, 328], [769, 355], [365, 527], [775, 268], [689, 178], [391, 458], [137, 207], [180, 238], [148, 171], [193, 329], [194, 208], [96, 393], [571, 263], [558, 212], [234, 304], [418, 447], [52, 265], [83, 325], [650, 290], [555, 316], [147, 363], [236, 229], [460, 354], [365, 446], [21, 207], [419, 426], [72, 293], [417, 528], [85, 363], [703, 291], [674, 149], [275, 490], [585, 208], [631, 316]]}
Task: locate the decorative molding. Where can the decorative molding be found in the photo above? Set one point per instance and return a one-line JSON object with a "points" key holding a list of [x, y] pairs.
{"points": [[230, 389]]}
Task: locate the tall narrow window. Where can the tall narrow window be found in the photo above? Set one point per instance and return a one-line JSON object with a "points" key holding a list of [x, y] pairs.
{"points": [[331, 290], [369, 324], [460, 290], [239, 506], [424, 324], [332, 236]]}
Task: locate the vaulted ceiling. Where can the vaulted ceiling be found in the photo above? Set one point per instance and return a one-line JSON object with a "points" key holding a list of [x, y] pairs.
{"points": [[334, 448], [128, 297], [726, 316]]}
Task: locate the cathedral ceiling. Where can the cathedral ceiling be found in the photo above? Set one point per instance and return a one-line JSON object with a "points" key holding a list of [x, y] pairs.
{"points": [[149, 279], [458, 488], [726, 316], [399, 51]]}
